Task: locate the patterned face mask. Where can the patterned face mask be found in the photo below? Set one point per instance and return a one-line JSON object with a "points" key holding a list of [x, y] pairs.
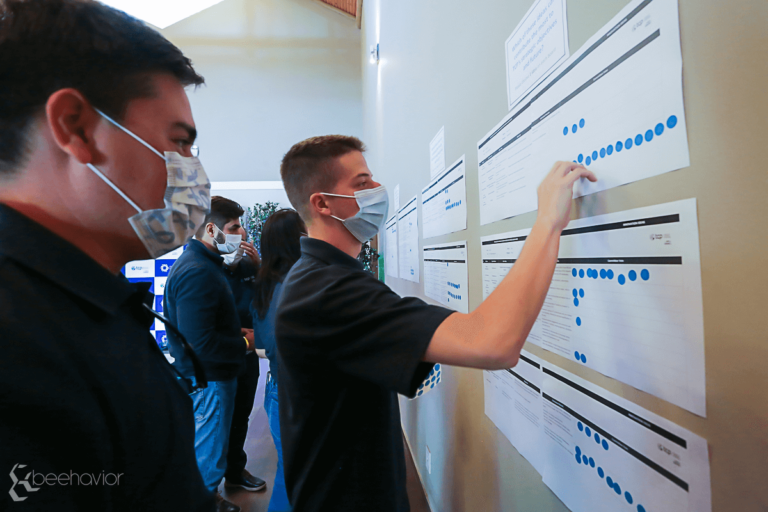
{"points": [[187, 201]]}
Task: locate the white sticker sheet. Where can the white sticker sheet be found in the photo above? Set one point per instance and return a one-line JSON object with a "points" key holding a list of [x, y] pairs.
{"points": [[513, 402], [596, 450], [538, 44], [446, 274], [615, 106], [605, 453], [437, 154], [444, 201], [408, 241], [625, 298], [390, 241]]}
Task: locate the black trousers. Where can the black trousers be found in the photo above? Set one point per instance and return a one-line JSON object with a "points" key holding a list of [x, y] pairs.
{"points": [[246, 394]]}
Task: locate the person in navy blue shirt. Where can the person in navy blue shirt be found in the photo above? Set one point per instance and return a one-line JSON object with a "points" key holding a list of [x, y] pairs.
{"points": [[199, 300], [280, 249], [84, 389], [240, 269]]}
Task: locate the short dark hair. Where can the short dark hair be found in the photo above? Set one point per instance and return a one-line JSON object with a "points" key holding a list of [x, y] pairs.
{"points": [[48, 45], [310, 167], [223, 210]]}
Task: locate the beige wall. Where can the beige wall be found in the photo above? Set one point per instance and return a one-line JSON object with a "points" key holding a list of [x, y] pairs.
{"points": [[443, 64], [277, 72]]}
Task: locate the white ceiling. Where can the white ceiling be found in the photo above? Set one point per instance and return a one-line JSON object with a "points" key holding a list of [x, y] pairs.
{"points": [[161, 13]]}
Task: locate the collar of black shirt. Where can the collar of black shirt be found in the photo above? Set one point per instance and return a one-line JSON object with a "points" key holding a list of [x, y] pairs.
{"points": [[32, 246], [328, 253], [197, 246]]}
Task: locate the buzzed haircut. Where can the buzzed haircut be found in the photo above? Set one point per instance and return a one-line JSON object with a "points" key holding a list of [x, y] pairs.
{"points": [[310, 167], [49, 45]]}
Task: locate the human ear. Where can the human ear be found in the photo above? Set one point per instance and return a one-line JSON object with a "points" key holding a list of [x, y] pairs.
{"points": [[72, 122], [318, 203]]}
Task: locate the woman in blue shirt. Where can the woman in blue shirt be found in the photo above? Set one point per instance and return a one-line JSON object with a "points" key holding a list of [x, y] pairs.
{"points": [[280, 249]]}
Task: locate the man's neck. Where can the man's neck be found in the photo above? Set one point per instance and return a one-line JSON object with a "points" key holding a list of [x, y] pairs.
{"points": [[342, 240]]}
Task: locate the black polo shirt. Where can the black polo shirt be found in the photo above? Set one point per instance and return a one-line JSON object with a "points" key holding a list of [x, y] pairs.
{"points": [[84, 388], [347, 344]]}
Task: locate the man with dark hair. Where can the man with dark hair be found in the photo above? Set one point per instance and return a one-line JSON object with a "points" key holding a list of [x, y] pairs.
{"points": [[93, 120], [200, 302], [347, 344], [240, 269]]}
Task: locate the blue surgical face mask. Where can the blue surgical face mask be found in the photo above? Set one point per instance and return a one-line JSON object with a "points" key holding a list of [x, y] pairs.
{"points": [[374, 206]]}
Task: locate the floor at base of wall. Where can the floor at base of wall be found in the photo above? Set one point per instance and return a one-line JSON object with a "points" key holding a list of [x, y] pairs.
{"points": [[262, 461]]}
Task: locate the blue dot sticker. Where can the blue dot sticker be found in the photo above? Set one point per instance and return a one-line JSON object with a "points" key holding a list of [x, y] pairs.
{"points": [[578, 321], [640, 508], [609, 481], [594, 155], [617, 488], [580, 425], [602, 152], [605, 444], [592, 462], [576, 302], [628, 497], [588, 431], [565, 130], [645, 275], [578, 458], [581, 123], [577, 356], [583, 359], [672, 122], [619, 146], [581, 292], [628, 143], [621, 279], [581, 273], [597, 438], [578, 450], [585, 460], [603, 273], [575, 293], [638, 139], [574, 273], [609, 149], [659, 129], [589, 161], [632, 275], [610, 274], [600, 472], [648, 135], [581, 158], [573, 128]]}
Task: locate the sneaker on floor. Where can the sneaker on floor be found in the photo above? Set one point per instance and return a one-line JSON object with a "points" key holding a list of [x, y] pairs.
{"points": [[223, 505], [247, 481]]}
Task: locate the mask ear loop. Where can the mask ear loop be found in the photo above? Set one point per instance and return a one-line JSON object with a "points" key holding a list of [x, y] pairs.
{"points": [[126, 130], [113, 186]]}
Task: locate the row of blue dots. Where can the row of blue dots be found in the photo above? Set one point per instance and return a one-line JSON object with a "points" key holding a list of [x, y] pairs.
{"points": [[457, 297], [453, 205], [588, 431], [608, 274], [627, 144], [580, 357], [454, 285], [589, 461], [574, 127]]}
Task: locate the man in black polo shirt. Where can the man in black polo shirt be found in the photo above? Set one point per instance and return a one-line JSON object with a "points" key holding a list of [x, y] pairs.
{"points": [[347, 344], [92, 417]]}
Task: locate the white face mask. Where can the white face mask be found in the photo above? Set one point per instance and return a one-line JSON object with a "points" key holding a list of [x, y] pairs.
{"points": [[374, 206], [234, 258], [231, 242], [187, 200]]}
